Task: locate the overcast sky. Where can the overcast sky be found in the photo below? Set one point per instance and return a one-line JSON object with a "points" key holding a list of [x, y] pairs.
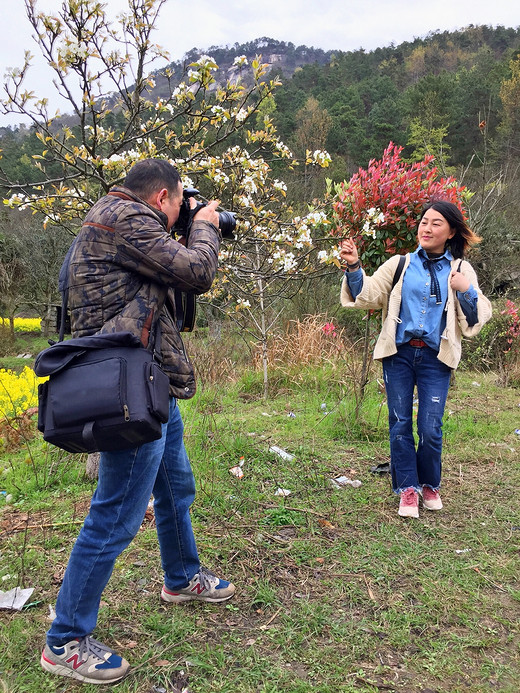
{"points": [[328, 24]]}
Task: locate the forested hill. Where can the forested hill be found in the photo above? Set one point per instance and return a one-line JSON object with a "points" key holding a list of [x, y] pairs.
{"points": [[443, 90], [451, 93], [282, 56]]}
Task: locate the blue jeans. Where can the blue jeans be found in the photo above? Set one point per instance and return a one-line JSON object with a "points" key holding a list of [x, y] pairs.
{"points": [[410, 367], [127, 479]]}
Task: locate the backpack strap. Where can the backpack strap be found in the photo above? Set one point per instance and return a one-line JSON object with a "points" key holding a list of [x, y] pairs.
{"points": [[398, 270]]}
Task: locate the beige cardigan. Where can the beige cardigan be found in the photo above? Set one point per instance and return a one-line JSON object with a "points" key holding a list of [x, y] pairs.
{"points": [[377, 293]]}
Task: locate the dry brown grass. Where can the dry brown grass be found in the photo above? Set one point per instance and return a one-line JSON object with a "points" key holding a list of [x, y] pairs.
{"points": [[313, 340], [306, 342]]}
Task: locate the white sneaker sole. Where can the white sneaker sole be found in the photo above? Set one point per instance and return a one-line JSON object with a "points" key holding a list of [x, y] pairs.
{"points": [[433, 505], [61, 670], [408, 513], [179, 597]]}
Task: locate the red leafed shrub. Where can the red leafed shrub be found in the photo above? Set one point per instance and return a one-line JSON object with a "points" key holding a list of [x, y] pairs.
{"points": [[380, 205]]}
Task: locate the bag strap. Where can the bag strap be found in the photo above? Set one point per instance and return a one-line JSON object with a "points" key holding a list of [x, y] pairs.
{"points": [[398, 270], [63, 286], [185, 310], [154, 343]]}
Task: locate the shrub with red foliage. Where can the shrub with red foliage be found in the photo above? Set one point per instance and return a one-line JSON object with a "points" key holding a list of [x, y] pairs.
{"points": [[380, 205]]}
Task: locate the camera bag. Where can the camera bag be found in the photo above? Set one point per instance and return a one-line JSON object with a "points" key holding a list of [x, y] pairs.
{"points": [[105, 392]]}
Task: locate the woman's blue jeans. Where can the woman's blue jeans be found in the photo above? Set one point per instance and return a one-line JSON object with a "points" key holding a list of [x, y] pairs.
{"points": [[410, 367], [127, 480]]}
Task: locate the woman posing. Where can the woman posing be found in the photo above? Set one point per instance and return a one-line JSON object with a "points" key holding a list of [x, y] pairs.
{"points": [[434, 302]]}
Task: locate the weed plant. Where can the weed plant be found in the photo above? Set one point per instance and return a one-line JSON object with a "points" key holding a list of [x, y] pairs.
{"points": [[335, 592]]}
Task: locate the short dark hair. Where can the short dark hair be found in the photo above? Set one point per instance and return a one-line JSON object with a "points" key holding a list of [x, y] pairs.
{"points": [[464, 237], [151, 175]]}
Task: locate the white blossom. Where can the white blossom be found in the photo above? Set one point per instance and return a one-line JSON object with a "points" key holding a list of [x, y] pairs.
{"points": [[180, 92], [289, 262], [249, 185], [283, 149], [206, 61], [220, 112], [279, 185], [375, 218], [241, 115], [72, 51], [245, 201], [319, 157], [316, 218], [219, 176]]}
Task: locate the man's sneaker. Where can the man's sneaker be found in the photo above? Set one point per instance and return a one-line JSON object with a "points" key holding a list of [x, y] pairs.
{"points": [[431, 499], [86, 660], [204, 586], [409, 503]]}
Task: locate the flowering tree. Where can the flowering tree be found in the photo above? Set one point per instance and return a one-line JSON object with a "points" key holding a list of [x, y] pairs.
{"points": [[265, 266], [380, 205], [117, 119]]}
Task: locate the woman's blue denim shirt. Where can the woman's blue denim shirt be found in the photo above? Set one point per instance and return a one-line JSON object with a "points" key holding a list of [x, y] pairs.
{"points": [[421, 315]]}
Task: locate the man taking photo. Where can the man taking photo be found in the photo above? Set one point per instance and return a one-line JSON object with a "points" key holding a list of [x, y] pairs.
{"points": [[122, 274]]}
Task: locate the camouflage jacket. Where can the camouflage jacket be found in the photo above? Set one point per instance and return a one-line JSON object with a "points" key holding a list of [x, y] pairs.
{"points": [[124, 268]]}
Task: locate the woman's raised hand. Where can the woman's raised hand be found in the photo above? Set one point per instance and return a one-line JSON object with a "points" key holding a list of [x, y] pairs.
{"points": [[348, 251]]}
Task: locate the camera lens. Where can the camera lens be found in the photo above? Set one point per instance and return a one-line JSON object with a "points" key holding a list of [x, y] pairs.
{"points": [[227, 224]]}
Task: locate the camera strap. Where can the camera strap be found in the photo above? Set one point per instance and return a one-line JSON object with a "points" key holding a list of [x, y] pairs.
{"points": [[185, 310]]}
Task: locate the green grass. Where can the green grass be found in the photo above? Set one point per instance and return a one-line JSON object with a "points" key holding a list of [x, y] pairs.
{"points": [[335, 592], [22, 353]]}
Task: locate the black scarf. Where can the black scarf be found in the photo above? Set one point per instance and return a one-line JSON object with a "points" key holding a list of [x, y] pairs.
{"points": [[431, 266]]}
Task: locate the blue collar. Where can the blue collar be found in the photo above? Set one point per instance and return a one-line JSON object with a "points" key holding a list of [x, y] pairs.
{"points": [[423, 254]]}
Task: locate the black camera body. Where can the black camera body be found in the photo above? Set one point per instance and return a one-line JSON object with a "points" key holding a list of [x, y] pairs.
{"points": [[226, 220]]}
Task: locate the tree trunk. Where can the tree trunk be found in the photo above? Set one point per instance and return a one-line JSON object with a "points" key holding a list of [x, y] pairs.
{"points": [[92, 467], [364, 367]]}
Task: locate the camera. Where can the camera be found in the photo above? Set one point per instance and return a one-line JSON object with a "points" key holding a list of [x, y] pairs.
{"points": [[226, 220]]}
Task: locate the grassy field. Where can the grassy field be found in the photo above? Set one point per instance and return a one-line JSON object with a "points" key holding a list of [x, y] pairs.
{"points": [[335, 592]]}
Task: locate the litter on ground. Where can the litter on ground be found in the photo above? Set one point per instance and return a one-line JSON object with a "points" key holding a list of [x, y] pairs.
{"points": [[15, 599], [281, 453], [342, 481]]}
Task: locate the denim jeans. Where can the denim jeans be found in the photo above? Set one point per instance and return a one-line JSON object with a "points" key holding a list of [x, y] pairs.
{"points": [[127, 479], [410, 367]]}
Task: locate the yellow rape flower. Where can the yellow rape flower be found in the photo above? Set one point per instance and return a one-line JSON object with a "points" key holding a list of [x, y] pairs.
{"points": [[23, 324], [18, 392]]}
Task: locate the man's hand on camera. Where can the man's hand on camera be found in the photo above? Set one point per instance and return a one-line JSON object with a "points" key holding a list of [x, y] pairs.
{"points": [[208, 212]]}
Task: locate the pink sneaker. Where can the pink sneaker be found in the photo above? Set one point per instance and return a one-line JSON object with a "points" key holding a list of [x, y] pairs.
{"points": [[431, 499], [409, 503]]}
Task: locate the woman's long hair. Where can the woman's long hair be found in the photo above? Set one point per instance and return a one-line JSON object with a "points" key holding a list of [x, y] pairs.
{"points": [[464, 237]]}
